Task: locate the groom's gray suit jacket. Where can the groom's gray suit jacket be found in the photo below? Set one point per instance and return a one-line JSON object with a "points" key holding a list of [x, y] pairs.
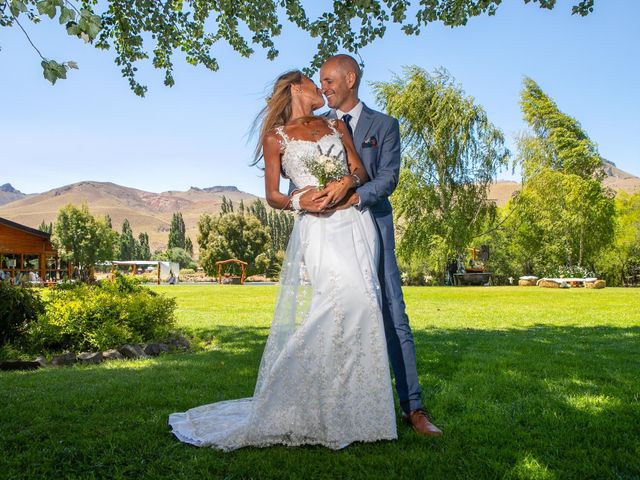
{"points": [[377, 141]]}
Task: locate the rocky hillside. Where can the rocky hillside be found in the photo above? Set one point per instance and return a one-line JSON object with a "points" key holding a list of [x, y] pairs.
{"points": [[147, 211], [615, 178], [9, 194]]}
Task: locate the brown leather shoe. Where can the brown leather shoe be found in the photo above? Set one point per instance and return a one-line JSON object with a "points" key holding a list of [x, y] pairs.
{"points": [[420, 422]]}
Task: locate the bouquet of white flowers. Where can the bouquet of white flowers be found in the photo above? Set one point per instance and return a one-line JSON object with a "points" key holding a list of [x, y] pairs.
{"points": [[327, 167]]}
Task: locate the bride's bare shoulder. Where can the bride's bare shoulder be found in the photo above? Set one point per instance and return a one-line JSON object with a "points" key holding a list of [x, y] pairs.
{"points": [[273, 138]]}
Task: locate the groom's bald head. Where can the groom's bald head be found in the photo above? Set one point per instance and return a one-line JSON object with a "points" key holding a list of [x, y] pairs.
{"points": [[340, 78], [347, 65]]}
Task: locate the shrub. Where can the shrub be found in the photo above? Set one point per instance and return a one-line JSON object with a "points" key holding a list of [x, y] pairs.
{"points": [[102, 316], [18, 307], [176, 254], [414, 274], [147, 277]]}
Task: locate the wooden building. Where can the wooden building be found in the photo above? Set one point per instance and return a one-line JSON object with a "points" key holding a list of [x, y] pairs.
{"points": [[27, 255]]}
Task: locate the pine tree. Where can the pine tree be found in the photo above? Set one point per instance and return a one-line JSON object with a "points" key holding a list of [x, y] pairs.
{"points": [[107, 220]]}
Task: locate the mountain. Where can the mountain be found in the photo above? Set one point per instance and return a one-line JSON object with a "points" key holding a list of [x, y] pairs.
{"points": [[9, 194], [502, 190], [146, 211], [617, 179]]}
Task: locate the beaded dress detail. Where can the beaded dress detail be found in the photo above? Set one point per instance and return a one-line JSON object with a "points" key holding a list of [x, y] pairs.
{"points": [[324, 375], [294, 151]]}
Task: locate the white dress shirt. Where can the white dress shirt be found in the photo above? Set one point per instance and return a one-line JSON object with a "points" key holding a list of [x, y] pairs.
{"points": [[355, 115]]}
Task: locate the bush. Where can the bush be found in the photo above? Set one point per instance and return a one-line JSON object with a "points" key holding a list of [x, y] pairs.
{"points": [[415, 274], [102, 316], [269, 264], [18, 307], [176, 254]]}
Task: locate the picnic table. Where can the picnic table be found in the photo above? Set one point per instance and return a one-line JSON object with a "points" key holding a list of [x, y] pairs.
{"points": [[472, 278]]}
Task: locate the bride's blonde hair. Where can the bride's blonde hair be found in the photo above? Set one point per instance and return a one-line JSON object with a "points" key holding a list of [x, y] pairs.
{"points": [[277, 111]]}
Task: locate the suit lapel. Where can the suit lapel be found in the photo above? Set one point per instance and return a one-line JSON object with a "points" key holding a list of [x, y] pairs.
{"points": [[362, 128]]}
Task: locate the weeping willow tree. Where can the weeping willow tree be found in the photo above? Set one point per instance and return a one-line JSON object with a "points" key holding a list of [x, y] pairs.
{"points": [[451, 153]]}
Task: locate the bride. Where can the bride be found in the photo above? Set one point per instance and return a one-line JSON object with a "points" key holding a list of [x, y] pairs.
{"points": [[324, 374]]}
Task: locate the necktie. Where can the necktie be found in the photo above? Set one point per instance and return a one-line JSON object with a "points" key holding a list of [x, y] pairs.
{"points": [[346, 118]]}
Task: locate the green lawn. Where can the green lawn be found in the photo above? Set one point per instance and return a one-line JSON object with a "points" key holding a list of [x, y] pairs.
{"points": [[525, 383]]}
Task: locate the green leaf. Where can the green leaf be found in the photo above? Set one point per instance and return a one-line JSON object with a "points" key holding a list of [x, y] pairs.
{"points": [[72, 64], [73, 28], [53, 70], [16, 6], [89, 25], [47, 7], [48, 72], [94, 26], [67, 15]]}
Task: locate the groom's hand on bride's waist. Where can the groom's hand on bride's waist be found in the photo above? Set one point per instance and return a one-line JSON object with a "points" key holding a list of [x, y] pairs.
{"points": [[353, 199], [309, 202], [335, 193]]}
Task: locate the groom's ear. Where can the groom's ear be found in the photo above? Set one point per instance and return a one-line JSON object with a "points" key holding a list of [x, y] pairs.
{"points": [[351, 80]]}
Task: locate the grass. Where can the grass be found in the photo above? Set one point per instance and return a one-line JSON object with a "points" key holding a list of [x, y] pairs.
{"points": [[525, 382]]}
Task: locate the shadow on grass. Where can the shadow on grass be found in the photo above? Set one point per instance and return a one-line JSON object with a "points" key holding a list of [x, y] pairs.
{"points": [[566, 397], [541, 402]]}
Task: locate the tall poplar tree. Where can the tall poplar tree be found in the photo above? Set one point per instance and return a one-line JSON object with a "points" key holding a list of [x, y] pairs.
{"points": [[564, 215], [46, 227], [177, 232], [188, 246], [143, 251], [127, 242]]}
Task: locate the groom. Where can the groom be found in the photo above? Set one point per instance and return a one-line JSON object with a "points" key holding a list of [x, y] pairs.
{"points": [[377, 140]]}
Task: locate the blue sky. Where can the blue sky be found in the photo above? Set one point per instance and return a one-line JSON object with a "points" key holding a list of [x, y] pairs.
{"points": [[92, 127]]}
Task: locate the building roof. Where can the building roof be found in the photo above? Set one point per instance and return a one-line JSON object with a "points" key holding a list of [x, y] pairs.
{"points": [[24, 228]]}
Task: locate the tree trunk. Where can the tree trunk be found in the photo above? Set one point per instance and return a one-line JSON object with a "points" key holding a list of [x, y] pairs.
{"points": [[581, 245]]}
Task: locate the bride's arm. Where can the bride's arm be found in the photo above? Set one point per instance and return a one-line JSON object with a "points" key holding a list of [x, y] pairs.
{"points": [[335, 192], [272, 152]]}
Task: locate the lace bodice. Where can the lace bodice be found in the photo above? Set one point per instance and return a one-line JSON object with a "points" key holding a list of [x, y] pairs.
{"points": [[295, 152]]}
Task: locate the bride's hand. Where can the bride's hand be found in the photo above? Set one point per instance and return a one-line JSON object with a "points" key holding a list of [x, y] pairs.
{"points": [[335, 192], [307, 200]]}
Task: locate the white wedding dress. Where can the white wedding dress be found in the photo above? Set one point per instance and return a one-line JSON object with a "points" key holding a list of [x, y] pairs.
{"points": [[324, 376]]}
